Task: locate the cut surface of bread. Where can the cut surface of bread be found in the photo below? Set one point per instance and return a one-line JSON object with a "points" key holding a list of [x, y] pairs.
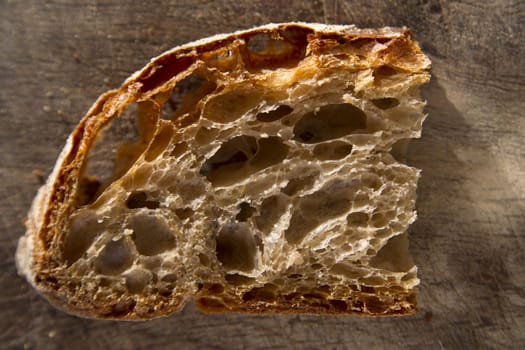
{"points": [[255, 172]]}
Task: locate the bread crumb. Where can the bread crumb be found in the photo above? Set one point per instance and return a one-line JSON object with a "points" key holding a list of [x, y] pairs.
{"points": [[301, 184], [52, 333]]}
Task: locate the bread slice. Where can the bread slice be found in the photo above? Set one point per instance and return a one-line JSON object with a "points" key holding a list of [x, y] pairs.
{"points": [[252, 172]]}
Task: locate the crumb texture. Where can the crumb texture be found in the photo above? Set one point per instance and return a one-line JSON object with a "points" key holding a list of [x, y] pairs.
{"points": [[253, 173]]}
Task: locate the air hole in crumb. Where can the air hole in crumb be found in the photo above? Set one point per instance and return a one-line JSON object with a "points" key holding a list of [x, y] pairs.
{"points": [[208, 304], [179, 149], [206, 135], [338, 241], [204, 260], [242, 156], [137, 279], [332, 151], [259, 294], [185, 96], [299, 227], [238, 280], [332, 200], [371, 180], [236, 247], [292, 296], [187, 85], [367, 289], [386, 103], [83, 229], [297, 184], [88, 188], [379, 220], [265, 50], [159, 143], [114, 258], [387, 232], [358, 304], [231, 158], [168, 265], [354, 287], [260, 42], [246, 211], [383, 40], [186, 120], [222, 58], [104, 281], [272, 208], [216, 288], [338, 305], [275, 114], [139, 177], [375, 305], [360, 200], [324, 289], [116, 147], [166, 68], [231, 105], [169, 278], [190, 188], [384, 71], [150, 262], [372, 281], [329, 122], [151, 234], [139, 199], [184, 213], [296, 36], [346, 270], [371, 252], [122, 308], [279, 282], [357, 219], [271, 151], [314, 295], [317, 266], [166, 290]]}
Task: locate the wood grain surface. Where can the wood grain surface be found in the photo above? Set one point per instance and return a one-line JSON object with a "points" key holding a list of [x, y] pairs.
{"points": [[57, 56]]}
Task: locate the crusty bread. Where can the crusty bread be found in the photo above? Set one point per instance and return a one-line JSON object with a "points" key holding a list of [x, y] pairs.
{"points": [[253, 172]]}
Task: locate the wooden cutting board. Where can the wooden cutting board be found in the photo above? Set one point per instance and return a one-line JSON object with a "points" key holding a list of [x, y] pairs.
{"points": [[57, 57]]}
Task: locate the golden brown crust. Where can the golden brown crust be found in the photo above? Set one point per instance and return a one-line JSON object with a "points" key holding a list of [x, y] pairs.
{"points": [[211, 300], [39, 254]]}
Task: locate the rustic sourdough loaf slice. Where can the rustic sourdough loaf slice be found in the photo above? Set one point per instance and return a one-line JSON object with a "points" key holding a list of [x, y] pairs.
{"points": [[251, 172]]}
